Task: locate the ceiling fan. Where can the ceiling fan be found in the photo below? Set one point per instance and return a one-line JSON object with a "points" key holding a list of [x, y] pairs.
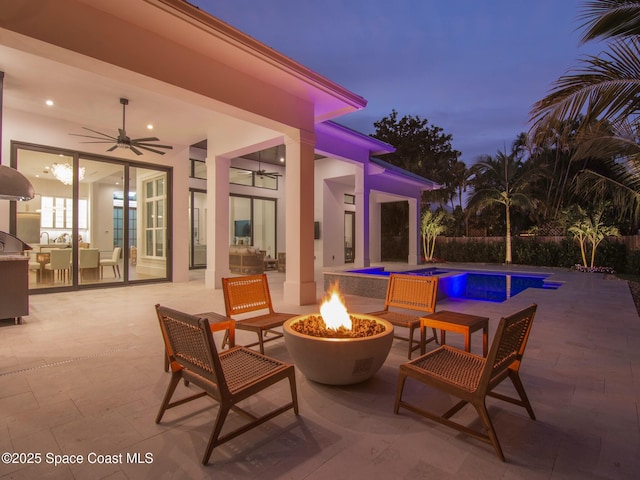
{"points": [[123, 141]]}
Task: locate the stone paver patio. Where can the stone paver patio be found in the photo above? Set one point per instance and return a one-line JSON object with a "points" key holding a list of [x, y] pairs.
{"points": [[84, 374]]}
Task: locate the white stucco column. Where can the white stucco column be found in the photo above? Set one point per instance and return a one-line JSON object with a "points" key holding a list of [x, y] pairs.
{"points": [[361, 192], [180, 216], [375, 229], [414, 232], [217, 220], [300, 285]]}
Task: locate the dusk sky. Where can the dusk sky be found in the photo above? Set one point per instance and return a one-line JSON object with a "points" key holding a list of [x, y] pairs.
{"points": [[473, 68]]}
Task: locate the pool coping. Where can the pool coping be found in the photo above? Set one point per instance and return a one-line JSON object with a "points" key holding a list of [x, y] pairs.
{"points": [[375, 286]]}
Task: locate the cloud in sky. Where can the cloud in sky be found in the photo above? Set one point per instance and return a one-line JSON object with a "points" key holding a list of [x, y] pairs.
{"points": [[472, 67]]}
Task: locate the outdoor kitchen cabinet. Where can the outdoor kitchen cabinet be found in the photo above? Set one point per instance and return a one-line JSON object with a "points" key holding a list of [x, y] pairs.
{"points": [[14, 287]]}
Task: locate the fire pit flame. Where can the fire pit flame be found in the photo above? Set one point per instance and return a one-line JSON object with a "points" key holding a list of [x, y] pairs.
{"points": [[333, 311]]}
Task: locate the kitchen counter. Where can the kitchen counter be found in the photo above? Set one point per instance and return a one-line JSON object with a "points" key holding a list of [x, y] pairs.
{"points": [[12, 257], [37, 247]]}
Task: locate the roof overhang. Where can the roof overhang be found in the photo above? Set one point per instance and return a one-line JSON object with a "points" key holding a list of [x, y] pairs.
{"points": [[380, 167], [175, 42]]}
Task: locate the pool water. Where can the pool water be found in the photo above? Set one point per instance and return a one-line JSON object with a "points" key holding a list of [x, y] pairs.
{"points": [[474, 285], [491, 287]]}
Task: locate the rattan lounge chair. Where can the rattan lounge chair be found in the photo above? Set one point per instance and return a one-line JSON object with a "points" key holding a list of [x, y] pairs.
{"points": [[228, 377], [248, 294], [472, 378], [410, 292]]}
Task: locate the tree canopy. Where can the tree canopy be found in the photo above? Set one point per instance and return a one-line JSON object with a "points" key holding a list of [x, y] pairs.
{"points": [[422, 149]]}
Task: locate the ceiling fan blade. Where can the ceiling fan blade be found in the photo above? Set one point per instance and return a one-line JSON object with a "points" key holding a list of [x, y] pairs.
{"points": [[105, 138], [112, 148], [144, 144], [99, 133], [100, 141], [147, 139], [144, 147], [135, 150]]}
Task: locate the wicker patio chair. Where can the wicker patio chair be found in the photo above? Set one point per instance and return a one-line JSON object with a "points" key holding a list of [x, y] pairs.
{"points": [[472, 378], [410, 292], [248, 294], [228, 377]]}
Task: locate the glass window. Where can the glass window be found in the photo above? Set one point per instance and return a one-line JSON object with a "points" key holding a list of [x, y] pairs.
{"points": [[240, 176], [154, 205], [198, 169], [266, 181], [198, 229], [253, 222]]}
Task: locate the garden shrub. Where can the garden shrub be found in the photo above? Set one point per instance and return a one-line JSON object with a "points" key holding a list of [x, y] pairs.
{"points": [[533, 251]]}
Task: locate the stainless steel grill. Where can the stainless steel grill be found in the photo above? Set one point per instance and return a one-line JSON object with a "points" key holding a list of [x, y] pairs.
{"points": [[12, 244]]}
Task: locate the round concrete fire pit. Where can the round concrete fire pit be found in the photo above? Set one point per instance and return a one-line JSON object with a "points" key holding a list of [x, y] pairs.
{"points": [[338, 361]]}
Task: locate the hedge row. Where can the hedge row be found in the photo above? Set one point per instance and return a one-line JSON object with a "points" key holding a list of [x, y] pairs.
{"points": [[532, 251]]}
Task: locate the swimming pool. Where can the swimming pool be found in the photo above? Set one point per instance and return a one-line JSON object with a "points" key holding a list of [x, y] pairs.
{"points": [[453, 283]]}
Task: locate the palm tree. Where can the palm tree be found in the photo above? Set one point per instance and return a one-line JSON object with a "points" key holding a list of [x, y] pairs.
{"points": [[591, 228], [606, 89], [504, 180], [461, 181], [620, 180]]}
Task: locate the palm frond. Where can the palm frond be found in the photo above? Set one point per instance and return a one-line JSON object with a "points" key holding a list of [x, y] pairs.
{"points": [[604, 19], [604, 88], [609, 142], [622, 187]]}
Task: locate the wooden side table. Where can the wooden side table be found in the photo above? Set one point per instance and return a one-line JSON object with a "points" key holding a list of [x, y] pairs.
{"points": [[456, 322], [219, 322]]}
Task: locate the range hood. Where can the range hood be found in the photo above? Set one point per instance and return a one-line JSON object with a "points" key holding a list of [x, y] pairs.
{"points": [[14, 185]]}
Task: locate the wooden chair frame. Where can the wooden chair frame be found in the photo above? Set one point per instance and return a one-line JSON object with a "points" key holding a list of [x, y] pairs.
{"points": [[410, 292], [472, 378], [217, 323], [250, 293], [228, 377]]}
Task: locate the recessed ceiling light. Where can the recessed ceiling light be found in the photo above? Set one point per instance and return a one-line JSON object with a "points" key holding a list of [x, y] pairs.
{"points": [[150, 127], [49, 103], [281, 159]]}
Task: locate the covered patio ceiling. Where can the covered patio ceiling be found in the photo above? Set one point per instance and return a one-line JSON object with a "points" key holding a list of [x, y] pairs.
{"points": [[85, 70]]}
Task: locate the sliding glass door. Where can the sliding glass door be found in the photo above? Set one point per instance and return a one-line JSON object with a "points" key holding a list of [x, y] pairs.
{"points": [[93, 221], [253, 222]]}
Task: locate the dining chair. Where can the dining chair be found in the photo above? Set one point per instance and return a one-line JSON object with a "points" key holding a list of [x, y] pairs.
{"points": [[60, 263], [88, 259], [113, 262]]}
